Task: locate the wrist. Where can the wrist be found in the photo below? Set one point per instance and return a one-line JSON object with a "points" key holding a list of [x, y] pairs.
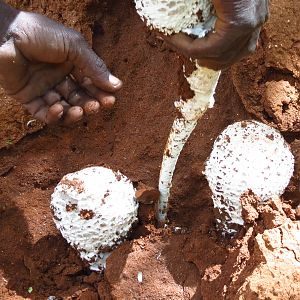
{"points": [[7, 16]]}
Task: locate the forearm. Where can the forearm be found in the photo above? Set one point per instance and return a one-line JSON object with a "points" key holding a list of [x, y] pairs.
{"points": [[7, 16]]}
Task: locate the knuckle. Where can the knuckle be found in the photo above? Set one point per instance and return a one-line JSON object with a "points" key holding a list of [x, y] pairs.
{"points": [[75, 35], [77, 40], [75, 43], [100, 65]]}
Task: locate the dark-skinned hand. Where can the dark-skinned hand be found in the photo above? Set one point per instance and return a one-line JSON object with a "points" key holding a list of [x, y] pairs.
{"points": [[52, 70], [235, 35]]}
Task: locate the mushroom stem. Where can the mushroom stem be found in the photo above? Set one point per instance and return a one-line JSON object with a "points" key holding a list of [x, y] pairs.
{"points": [[100, 263], [203, 82]]}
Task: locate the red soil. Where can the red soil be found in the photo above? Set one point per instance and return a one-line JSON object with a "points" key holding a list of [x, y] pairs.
{"points": [[187, 260], [268, 82]]}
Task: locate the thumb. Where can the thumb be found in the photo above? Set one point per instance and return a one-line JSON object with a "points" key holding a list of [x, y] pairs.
{"points": [[88, 65]]}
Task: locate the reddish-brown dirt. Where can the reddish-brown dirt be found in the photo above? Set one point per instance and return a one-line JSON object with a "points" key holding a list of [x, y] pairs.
{"points": [[187, 260], [269, 81]]}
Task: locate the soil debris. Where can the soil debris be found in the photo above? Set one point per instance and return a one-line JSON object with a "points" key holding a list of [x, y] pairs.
{"points": [[268, 81]]}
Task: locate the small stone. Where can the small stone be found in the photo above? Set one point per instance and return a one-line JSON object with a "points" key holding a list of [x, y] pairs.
{"points": [[146, 194], [140, 277]]}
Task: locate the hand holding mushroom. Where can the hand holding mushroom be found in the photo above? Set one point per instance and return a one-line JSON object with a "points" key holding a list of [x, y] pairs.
{"points": [[37, 55], [192, 17], [235, 36]]}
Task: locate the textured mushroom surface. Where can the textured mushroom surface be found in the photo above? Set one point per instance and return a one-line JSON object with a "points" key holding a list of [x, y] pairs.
{"points": [[191, 17], [173, 16], [94, 209], [247, 155]]}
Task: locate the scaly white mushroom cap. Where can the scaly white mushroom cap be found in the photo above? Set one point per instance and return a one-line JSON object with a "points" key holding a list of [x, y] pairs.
{"points": [[173, 16], [247, 155], [94, 209]]}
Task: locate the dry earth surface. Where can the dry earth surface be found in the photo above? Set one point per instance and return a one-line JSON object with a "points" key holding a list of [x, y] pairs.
{"points": [[188, 259]]}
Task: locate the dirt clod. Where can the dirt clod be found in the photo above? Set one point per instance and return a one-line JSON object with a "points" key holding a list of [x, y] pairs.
{"points": [[268, 81]]}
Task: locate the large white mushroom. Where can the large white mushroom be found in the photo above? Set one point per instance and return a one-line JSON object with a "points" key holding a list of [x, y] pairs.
{"points": [[193, 17], [94, 209], [173, 16], [247, 155]]}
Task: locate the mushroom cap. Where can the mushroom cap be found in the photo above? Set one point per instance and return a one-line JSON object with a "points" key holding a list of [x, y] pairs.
{"points": [[247, 155], [173, 16], [94, 209]]}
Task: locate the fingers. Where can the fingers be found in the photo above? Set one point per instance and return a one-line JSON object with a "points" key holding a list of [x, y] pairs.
{"points": [[42, 77], [39, 109], [73, 115], [107, 100], [215, 44], [53, 114], [58, 109], [52, 97], [68, 102], [89, 105], [74, 96], [233, 56], [219, 49], [89, 65], [66, 87], [77, 97]]}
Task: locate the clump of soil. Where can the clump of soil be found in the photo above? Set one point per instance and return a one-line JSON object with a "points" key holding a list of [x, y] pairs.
{"points": [[187, 260], [269, 80], [276, 274], [273, 259], [13, 129]]}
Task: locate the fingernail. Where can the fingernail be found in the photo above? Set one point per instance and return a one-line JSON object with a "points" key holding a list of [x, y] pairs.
{"points": [[114, 80], [159, 38], [60, 114]]}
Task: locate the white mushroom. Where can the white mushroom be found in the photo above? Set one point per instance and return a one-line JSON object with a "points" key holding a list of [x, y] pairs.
{"points": [[247, 155], [172, 16], [94, 209]]}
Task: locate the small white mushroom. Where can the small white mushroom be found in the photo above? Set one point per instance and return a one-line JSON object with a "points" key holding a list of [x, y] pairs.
{"points": [[94, 209], [172, 16], [247, 155]]}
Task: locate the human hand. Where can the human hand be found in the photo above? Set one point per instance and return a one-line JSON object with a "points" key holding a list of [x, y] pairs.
{"points": [[52, 71], [235, 35]]}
